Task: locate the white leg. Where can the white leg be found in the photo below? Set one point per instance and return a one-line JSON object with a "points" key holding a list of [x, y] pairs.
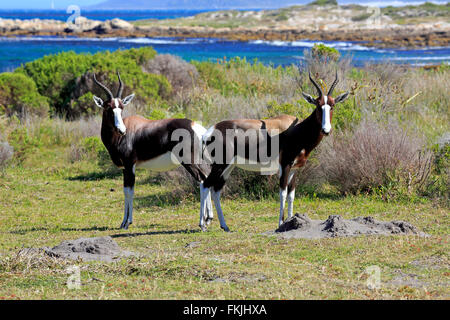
{"points": [[128, 212], [290, 201], [283, 195], [204, 194], [216, 198], [209, 209], [130, 205]]}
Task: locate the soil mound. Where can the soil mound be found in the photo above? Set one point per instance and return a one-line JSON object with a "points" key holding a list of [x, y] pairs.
{"points": [[301, 226], [297, 222], [86, 249]]}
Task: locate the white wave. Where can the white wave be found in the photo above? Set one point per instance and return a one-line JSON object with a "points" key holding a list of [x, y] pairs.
{"points": [[341, 45], [159, 41], [420, 58], [305, 44], [280, 43], [111, 39]]}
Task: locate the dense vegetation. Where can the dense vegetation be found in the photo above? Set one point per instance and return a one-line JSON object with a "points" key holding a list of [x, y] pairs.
{"points": [[65, 79], [384, 100], [19, 95]]}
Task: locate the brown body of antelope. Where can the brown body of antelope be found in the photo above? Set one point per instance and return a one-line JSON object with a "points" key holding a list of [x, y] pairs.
{"points": [[135, 142], [296, 140]]}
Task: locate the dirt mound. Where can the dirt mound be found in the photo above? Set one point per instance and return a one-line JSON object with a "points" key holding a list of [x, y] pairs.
{"points": [[297, 222], [86, 249], [301, 226]]}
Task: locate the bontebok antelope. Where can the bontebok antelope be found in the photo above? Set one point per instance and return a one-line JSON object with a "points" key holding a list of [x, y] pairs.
{"points": [[295, 141], [135, 142]]}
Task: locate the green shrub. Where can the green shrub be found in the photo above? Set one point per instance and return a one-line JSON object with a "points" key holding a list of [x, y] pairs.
{"points": [[19, 95], [23, 143], [157, 114], [346, 114], [211, 74], [58, 78], [239, 77], [323, 2], [95, 150], [440, 179], [301, 109], [323, 52], [92, 149]]}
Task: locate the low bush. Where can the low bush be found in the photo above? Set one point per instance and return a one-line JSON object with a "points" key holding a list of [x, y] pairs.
{"points": [[181, 75], [323, 52], [376, 157], [6, 153], [439, 185], [19, 96], [93, 149], [237, 76]]}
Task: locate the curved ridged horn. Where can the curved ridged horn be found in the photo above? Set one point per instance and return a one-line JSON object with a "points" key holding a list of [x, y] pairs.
{"points": [[107, 91], [319, 89], [333, 85], [119, 92]]}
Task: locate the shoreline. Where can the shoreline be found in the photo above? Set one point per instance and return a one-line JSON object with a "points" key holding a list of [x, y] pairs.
{"points": [[389, 36]]}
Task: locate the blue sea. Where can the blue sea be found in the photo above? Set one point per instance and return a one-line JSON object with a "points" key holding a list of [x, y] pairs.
{"points": [[102, 15], [17, 51]]}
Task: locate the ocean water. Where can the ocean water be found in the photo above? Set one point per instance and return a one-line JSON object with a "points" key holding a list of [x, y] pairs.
{"points": [[17, 51], [102, 15]]}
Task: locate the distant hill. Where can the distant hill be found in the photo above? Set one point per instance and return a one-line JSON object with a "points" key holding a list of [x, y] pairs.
{"points": [[196, 4], [235, 4]]}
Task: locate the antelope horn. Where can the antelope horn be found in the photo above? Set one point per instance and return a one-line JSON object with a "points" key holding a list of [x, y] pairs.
{"points": [[333, 85], [119, 92], [107, 91], [319, 89]]}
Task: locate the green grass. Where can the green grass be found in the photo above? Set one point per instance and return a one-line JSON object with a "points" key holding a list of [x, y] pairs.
{"points": [[46, 200]]}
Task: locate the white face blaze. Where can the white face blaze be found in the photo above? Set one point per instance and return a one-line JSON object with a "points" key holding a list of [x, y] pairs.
{"points": [[326, 123], [118, 121]]}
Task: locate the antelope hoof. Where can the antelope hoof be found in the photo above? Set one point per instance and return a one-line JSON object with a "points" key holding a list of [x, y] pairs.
{"points": [[226, 229], [125, 225], [208, 221], [204, 229]]}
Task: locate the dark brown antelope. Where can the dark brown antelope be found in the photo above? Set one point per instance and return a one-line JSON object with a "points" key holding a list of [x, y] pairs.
{"points": [[136, 142], [295, 140]]}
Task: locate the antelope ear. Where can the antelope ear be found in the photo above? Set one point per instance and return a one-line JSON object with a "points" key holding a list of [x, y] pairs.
{"points": [[341, 97], [308, 98], [128, 99], [98, 101]]}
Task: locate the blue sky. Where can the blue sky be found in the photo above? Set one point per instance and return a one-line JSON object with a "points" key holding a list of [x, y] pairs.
{"points": [[44, 4]]}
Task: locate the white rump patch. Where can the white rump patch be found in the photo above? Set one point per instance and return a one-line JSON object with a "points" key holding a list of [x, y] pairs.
{"points": [[269, 168], [199, 130], [162, 163]]}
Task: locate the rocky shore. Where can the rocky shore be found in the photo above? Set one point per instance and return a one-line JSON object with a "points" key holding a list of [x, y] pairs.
{"points": [[386, 35]]}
